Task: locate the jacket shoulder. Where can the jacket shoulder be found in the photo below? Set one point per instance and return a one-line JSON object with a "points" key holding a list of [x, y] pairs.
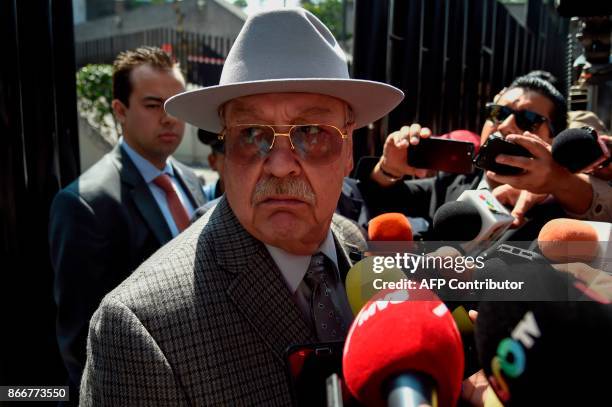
{"points": [[167, 274], [186, 170], [103, 178], [348, 232]]}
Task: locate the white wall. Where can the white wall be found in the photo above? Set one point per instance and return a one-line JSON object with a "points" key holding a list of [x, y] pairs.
{"points": [[92, 147], [192, 151], [79, 11]]}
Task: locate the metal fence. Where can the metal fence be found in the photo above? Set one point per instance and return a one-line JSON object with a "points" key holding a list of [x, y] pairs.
{"points": [[451, 57], [201, 56]]}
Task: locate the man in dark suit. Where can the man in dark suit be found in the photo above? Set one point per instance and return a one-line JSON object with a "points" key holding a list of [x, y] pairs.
{"points": [[207, 319], [114, 216]]}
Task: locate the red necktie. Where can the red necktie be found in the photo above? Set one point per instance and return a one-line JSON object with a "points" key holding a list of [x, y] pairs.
{"points": [[178, 211]]}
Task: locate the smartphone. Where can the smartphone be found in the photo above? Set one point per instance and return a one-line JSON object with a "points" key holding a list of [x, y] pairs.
{"points": [[442, 155], [308, 368], [494, 146]]}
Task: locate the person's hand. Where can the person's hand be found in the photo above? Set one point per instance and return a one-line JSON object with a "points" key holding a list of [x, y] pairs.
{"points": [[542, 175], [520, 200], [448, 269], [394, 160], [506, 194], [474, 389], [473, 314], [595, 279], [605, 173]]}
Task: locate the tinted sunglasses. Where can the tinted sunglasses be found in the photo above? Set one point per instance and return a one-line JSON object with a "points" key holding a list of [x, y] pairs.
{"points": [[526, 120], [313, 143]]}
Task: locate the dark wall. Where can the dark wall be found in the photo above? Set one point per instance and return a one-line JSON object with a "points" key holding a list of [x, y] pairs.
{"points": [[370, 36], [39, 153], [451, 57]]}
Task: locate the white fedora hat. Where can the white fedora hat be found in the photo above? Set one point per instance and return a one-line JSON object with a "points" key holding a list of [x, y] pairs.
{"points": [[284, 50]]}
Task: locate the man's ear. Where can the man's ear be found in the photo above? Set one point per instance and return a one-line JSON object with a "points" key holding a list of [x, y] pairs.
{"points": [[349, 150], [349, 164], [212, 160], [119, 110]]}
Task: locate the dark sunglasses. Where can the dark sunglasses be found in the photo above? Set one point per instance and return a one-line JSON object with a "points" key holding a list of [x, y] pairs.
{"points": [[313, 143], [526, 120]]}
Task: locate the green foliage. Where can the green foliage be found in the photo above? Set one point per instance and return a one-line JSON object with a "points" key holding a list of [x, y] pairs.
{"points": [[132, 4], [241, 3], [95, 93], [328, 11]]}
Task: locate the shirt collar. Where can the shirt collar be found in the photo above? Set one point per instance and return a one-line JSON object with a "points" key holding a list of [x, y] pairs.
{"points": [[148, 171], [484, 183], [293, 267]]}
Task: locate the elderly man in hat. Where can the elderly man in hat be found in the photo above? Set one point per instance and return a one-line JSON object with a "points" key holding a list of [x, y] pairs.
{"points": [[206, 320]]}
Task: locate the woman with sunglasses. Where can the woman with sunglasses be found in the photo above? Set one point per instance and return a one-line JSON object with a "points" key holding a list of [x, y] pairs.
{"points": [[530, 112]]}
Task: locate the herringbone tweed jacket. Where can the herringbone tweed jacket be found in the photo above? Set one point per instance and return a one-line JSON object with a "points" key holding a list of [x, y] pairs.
{"points": [[204, 321]]}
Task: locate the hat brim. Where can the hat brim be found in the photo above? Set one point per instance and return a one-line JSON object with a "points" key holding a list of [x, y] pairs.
{"points": [[369, 100]]}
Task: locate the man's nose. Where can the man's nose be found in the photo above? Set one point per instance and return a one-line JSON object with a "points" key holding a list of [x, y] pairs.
{"points": [[167, 118], [509, 126], [281, 160]]}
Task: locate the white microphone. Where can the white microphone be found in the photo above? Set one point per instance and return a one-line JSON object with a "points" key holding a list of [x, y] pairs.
{"points": [[495, 218]]}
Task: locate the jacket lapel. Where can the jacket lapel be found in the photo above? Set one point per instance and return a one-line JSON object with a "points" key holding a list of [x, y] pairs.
{"points": [[151, 213], [190, 184], [142, 196], [347, 251], [260, 293], [344, 261], [258, 290]]}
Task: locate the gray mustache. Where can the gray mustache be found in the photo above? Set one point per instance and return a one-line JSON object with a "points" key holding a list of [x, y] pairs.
{"points": [[292, 186]]}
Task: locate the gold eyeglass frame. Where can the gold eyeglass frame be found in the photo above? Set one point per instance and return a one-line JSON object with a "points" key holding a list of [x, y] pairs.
{"points": [[221, 135]]}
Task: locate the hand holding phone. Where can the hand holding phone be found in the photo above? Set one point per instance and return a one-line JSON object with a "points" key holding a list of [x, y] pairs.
{"points": [[442, 155], [494, 146]]}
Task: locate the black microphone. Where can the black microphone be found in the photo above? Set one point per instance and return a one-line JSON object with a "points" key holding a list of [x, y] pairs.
{"points": [[475, 218], [513, 253], [579, 150], [456, 221], [545, 350], [467, 225]]}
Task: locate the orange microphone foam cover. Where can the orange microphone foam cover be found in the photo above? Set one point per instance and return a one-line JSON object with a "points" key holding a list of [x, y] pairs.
{"points": [[568, 240], [390, 227]]}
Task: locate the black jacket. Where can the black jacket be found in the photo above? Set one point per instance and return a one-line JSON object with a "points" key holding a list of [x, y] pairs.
{"points": [[102, 227]]}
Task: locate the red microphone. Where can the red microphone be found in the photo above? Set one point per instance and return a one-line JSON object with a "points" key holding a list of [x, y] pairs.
{"points": [[464, 135], [422, 363]]}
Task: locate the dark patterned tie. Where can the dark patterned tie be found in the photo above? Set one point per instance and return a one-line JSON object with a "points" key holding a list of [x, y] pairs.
{"points": [[328, 307]]}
